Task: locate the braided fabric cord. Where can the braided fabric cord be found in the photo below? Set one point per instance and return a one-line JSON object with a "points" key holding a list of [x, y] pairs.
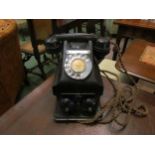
{"points": [[117, 111]]}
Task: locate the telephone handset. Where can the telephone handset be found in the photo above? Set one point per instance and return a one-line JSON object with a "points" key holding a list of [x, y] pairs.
{"points": [[78, 84], [100, 44]]}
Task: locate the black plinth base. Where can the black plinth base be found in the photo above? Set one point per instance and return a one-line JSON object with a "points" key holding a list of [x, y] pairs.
{"points": [[60, 116]]}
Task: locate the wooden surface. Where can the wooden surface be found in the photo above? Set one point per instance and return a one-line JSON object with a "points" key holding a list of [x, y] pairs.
{"points": [[132, 63], [34, 115], [136, 23], [134, 29]]}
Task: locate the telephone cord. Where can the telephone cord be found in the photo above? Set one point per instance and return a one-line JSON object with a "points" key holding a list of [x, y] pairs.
{"points": [[123, 103]]}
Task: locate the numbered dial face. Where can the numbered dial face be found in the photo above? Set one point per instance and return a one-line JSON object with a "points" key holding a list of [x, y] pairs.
{"points": [[78, 66]]}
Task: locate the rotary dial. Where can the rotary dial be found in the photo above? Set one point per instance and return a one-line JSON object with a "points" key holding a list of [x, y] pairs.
{"points": [[78, 66]]}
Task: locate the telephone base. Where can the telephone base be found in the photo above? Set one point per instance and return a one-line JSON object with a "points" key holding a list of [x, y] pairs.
{"points": [[59, 116]]}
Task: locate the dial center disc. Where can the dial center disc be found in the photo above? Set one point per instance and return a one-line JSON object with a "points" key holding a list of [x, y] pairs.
{"points": [[78, 65]]}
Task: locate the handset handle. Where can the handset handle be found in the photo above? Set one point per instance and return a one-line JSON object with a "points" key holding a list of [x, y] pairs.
{"points": [[101, 45], [54, 42], [76, 37], [70, 37]]}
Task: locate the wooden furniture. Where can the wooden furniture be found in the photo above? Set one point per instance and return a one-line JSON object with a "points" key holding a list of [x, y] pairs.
{"points": [[131, 60], [11, 67], [132, 29], [34, 115], [39, 30]]}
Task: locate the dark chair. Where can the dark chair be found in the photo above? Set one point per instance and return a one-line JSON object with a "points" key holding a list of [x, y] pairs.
{"points": [[90, 26], [39, 29]]}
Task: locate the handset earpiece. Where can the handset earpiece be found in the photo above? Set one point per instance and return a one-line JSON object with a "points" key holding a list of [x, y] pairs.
{"points": [[53, 45], [101, 47]]}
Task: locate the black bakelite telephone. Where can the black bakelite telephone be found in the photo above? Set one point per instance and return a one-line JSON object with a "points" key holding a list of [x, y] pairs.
{"points": [[78, 84]]}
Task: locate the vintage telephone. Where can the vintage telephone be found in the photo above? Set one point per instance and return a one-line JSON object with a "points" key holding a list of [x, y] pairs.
{"points": [[78, 84]]}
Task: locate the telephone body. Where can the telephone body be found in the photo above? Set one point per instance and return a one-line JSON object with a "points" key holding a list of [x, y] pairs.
{"points": [[78, 84]]}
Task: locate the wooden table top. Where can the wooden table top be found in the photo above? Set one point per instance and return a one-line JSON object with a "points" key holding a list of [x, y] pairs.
{"points": [[34, 115], [146, 24], [131, 61]]}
